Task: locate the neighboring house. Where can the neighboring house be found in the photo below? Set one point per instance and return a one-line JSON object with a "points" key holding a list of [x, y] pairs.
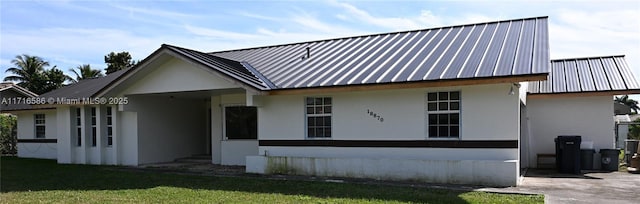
{"points": [[624, 126], [13, 99], [11, 96], [460, 104], [622, 129]]}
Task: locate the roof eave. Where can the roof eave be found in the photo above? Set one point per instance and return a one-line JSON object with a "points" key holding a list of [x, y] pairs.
{"points": [[410, 85], [583, 93]]}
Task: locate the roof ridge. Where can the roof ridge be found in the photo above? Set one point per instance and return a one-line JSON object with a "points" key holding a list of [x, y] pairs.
{"points": [[376, 34]]}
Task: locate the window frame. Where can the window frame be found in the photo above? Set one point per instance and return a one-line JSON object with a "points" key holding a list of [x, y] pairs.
{"points": [[36, 125], [448, 111], [78, 118], [324, 114], [94, 126], [109, 125], [224, 121]]}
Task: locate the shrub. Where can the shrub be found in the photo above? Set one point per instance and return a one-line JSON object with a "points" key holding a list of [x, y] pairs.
{"points": [[8, 134]]}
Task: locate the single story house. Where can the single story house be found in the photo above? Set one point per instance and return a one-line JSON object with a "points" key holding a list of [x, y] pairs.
{"points": [[469, 104]]}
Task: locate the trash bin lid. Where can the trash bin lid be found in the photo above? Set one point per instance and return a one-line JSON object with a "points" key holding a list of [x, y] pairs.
{"points": [[609, 150]]}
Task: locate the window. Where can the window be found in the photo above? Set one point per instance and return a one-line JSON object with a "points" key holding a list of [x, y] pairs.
{"points": [[241, 122], [318, 117], [78, 127], [40, 125], [93, 127], [443, 114], [109, 126]]}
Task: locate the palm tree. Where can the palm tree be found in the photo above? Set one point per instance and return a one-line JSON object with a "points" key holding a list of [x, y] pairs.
{"points": [[85, 72], [27, 71], [625, 100]]}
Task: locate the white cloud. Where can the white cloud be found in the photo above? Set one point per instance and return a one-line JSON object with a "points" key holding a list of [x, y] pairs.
{"points": [[576, 33], [155, 12], [395, 23], [260, 17], [218, 34]]}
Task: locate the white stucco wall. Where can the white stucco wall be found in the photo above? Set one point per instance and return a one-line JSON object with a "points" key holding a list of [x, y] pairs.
{"points": [[66, 143], [589, 117], [26, 130], [488, 112], [183, 77], [234, 152], [128, 138]]}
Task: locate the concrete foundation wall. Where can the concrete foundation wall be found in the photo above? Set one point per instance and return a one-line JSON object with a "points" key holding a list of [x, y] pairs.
{"points": [[480, 172], [38, 150]]}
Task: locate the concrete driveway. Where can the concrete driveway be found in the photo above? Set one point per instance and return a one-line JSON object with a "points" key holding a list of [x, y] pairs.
{"points": [[596, 187]]}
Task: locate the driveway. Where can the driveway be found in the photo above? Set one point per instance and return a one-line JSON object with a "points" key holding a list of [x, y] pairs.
{"points": [[596, 187]]}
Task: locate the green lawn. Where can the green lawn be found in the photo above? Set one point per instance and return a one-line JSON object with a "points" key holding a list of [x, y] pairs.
{"points": [[37, 181]]}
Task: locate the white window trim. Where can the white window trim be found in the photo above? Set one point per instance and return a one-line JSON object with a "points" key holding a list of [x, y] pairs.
{"points": [[36, 125], [107, 126], [224, 122], [78, 115], [94, 134], [426, 116], [306, 118]]}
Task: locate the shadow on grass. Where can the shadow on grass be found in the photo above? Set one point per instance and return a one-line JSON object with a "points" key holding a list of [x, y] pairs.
{"points": [[20, 175]]}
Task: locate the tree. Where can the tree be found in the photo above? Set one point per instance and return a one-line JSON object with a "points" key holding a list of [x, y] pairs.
{"points": [[634, 130], [8, 134], [118, 61], [27, 71], [53, 79], [84, 72], [625, 100], [30, 73]]}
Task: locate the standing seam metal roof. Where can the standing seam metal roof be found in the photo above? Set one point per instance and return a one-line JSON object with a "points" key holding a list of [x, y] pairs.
{"points": [[592, 74], [231, 68], [503, 48]]}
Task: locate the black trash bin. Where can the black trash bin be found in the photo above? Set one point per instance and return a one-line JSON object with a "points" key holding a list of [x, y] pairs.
{"points": [[630, 148], [568, 154], [586, 159], [609, 159]]}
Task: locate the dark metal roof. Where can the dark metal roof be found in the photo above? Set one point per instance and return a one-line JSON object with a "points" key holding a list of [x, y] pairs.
{"points": [[494, 49], [229, 67], [84, 88], [592, 74]]}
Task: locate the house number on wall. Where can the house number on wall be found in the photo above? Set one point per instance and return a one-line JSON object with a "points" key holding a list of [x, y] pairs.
{"points": [[375, 115]]}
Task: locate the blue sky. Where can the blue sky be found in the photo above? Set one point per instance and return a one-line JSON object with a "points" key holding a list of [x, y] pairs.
{"points": [[68, 33]]}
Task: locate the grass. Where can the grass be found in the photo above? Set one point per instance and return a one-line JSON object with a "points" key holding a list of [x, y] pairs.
{"points": [[37, 181]]}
